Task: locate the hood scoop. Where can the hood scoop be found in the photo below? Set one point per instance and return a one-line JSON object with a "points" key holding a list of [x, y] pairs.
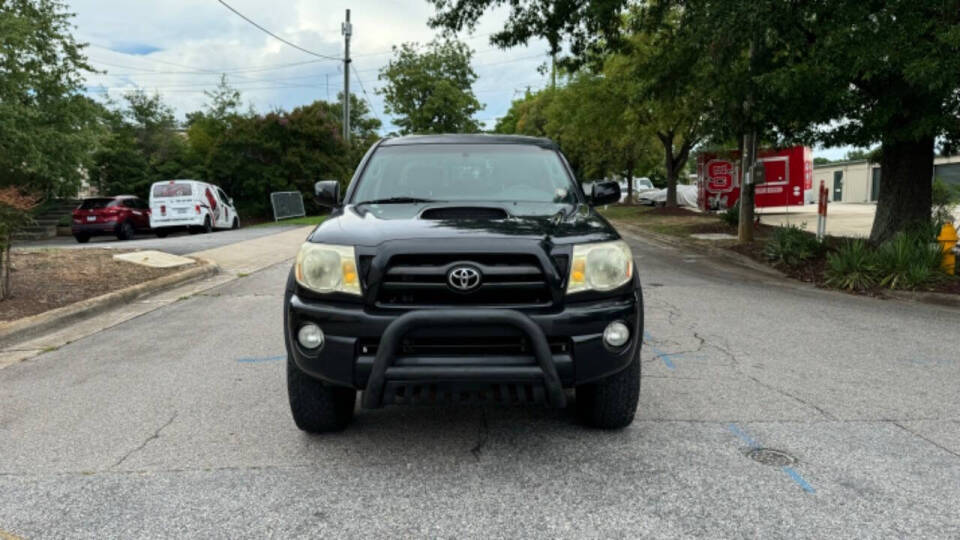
{"points": [[465, 212]]}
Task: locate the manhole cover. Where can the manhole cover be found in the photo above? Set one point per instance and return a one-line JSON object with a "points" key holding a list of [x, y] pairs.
{"points": [[769, 456]]}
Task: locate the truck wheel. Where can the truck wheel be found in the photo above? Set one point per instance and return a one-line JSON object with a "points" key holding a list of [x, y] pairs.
{"points": [[611, 402], [236, 224], [82, 238], [207, 226], [161, 233], [318, 407]]}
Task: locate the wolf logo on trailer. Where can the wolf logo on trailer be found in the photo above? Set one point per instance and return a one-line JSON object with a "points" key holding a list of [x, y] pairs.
{"points": [[788, 178]]}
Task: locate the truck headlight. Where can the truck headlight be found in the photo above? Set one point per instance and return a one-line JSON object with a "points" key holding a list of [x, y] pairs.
{"points": [[600, 267], [326, 268]]}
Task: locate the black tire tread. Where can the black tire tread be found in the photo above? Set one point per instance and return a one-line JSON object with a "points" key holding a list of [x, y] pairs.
{"points": [[611, 403], [318, 407]]}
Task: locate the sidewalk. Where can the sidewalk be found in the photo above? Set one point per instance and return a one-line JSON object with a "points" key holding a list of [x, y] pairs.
{"points": [[252, 255], [235, 261]]}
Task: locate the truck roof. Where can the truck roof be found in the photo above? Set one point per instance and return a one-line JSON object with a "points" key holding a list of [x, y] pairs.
{"points": [[475, 138]]}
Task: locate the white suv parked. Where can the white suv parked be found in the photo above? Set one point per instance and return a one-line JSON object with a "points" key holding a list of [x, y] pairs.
{"points": [[192, 205]]}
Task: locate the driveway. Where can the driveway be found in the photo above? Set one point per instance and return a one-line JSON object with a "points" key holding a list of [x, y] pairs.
{"points": [[768, 409], [843, 219], [177, 243]]}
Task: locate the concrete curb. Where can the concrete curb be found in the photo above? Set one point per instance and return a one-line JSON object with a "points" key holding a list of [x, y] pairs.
{"points": [[720, 253], [29, 327], [931, 298]]}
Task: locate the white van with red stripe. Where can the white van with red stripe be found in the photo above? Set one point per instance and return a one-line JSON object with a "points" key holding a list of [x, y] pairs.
{"points": [[192, 205]]}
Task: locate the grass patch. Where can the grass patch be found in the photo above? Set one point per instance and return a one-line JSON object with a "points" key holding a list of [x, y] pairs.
{"points": [[671, 221], [306, 220]]}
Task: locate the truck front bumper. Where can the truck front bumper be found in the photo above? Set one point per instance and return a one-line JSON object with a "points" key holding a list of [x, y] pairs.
{"points": [[563, 349]]}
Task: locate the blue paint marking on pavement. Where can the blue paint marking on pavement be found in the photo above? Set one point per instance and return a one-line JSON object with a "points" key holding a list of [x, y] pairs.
{"points": [[790, 471], [799, 479], [743, 436], [258, 360], [660, 354]]}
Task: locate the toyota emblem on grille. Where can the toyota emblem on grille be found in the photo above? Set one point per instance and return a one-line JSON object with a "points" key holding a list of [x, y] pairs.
{"points": [[463, 278]]}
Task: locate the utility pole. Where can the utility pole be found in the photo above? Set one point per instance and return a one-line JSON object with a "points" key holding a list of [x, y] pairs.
{"points": [[748, 165], [347, 31]]}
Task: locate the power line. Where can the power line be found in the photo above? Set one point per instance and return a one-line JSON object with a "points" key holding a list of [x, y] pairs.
{"points": [[245, 69], [271, 34], [191, 68], [365, 96]]}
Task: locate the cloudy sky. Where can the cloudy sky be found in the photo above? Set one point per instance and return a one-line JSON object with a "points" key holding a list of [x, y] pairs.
{"points": [[180, 47]]}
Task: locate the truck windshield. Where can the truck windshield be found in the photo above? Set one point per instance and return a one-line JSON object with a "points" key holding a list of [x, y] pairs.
{"points": [[465, 172]]}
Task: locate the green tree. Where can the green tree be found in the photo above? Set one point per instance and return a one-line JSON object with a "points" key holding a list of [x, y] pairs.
{"points": [[45, 124], [143, 145], [665, 92], [281, 151], [843, 72], [431, 91]]}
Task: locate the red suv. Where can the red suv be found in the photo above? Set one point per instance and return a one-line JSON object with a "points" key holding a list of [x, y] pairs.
{"points": [[122, 216]]}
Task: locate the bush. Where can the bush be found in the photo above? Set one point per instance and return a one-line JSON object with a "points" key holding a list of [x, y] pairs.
{"points": [[853, 266], [909, 260], [731, 216], [791, 245], [944, 197]]}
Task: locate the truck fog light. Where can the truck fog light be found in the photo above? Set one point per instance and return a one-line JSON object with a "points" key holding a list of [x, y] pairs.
{"points": [[616, 334], [310, 336]]}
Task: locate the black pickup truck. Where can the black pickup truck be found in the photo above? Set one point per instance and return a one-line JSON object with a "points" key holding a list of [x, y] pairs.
{"points": [[463, 268]]}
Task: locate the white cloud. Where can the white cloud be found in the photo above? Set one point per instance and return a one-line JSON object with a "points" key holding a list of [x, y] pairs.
{"points": [[193, 41]]}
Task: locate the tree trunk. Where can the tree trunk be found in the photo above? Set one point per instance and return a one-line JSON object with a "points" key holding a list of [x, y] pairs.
{"points": [[671, 174], [629, 181], [906, 185]]}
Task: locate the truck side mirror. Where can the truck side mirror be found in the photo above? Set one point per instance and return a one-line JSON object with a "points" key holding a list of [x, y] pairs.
{"points": [[327, 193], [604, 193]]}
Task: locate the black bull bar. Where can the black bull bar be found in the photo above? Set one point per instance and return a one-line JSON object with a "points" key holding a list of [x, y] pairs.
{"points": [[383, 369]]}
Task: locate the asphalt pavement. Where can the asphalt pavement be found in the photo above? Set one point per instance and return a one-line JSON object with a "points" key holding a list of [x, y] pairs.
{"points": [[180, 243], [767, 410]]}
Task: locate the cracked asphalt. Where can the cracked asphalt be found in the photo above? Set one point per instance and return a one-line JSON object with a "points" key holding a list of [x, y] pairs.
{"points": [[175, 423]]}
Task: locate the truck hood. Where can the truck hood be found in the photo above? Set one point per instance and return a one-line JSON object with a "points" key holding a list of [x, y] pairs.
{"points": [[372, 225]]}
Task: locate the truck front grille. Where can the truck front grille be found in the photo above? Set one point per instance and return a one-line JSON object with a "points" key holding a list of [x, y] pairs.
{"points": [[507, 280]]}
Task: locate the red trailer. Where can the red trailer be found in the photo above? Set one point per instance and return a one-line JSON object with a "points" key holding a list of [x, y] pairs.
{"points": [[788, 178]]}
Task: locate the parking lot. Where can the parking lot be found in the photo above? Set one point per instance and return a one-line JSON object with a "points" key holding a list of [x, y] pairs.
{"points": [[767, 409]]}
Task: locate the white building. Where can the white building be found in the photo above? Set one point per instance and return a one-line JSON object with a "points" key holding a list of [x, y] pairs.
{"points": [[859, 181]]}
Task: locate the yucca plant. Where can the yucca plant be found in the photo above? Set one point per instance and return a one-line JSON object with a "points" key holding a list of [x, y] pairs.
{"points": [[909, 260], [791, 245], [852, 267]]}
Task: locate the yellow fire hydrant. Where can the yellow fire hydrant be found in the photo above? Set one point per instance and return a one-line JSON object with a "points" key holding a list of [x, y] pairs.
{"points": [[948, 240]]}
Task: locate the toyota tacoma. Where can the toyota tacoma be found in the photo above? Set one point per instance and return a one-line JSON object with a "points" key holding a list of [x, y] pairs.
{"points": [[463, 268]]}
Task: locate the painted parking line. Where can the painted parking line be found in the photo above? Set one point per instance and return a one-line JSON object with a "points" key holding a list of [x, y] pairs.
{"points": [[660, 354], [262, 359], [787, 469]]}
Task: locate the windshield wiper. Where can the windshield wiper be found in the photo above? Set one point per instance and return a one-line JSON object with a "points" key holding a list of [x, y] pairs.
{"points": [[396, 200]]}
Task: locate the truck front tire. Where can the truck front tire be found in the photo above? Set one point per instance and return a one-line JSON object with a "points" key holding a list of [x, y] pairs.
{"points": [[611, 402], [318, 407]]}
